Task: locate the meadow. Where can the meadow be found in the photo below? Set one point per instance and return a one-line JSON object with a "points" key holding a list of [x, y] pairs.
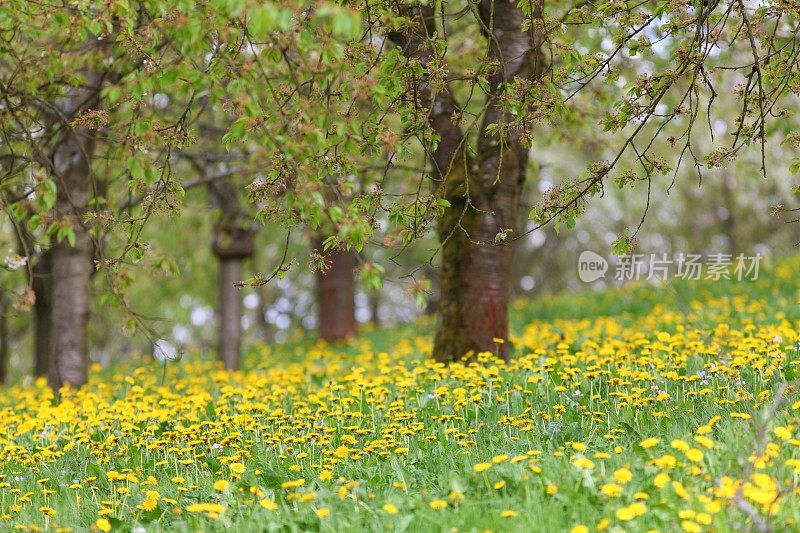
{"points": [[647, 408]]}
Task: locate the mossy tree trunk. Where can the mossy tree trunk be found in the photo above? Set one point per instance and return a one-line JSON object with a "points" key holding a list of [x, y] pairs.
{"points": [[483, 189]]}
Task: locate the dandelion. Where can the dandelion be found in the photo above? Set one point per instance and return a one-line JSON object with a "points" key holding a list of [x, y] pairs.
{"points": [[455, 496], [622, 476], [691, 527], [390, 508], [268, 504], [211, 509], [694, 455], [341, 452], [649, 442], [583, 462], [611, 490], [438, 504], [783, 433], [308, 497], [661, 479], [631, 511], [481, 467]]}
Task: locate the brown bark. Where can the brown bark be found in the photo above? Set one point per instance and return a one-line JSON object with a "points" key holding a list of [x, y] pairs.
{"points": [[42, 288], [4, 341], [230, 312], [336, 295], [72, 262], [233, 243], [484, 192], [42, 309]]}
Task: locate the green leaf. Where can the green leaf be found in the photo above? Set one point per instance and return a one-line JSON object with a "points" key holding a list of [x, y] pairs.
{"points": [[262, 21]]}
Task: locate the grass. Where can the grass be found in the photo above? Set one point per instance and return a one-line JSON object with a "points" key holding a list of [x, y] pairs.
{"points": [[660, 408]]}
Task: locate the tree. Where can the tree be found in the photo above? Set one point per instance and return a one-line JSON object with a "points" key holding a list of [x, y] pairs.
{"points": [[336, 287], [72, 256], [482, 187], [376, 125], [233, 243], [480, 166], [43, 314], [4, 334]]}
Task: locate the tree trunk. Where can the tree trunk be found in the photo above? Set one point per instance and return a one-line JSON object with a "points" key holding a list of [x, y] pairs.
{"points": [[42, 288], [484, 194], [70, 311], [233, 243], [230, 312], [336, 295], [474, 278], [4, 342], [72, 262]]}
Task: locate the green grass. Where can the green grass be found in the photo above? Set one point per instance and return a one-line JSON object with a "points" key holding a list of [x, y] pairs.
{"points": [[375, 424]]}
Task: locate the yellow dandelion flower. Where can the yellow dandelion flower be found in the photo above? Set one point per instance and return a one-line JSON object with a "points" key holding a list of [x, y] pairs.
{"points": [[481, 467], [694, 455], [661, 479], [268, 504], [612, 490], [679, 445], [691, 527], [622, 475], [649, 442], [455, 496]]}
